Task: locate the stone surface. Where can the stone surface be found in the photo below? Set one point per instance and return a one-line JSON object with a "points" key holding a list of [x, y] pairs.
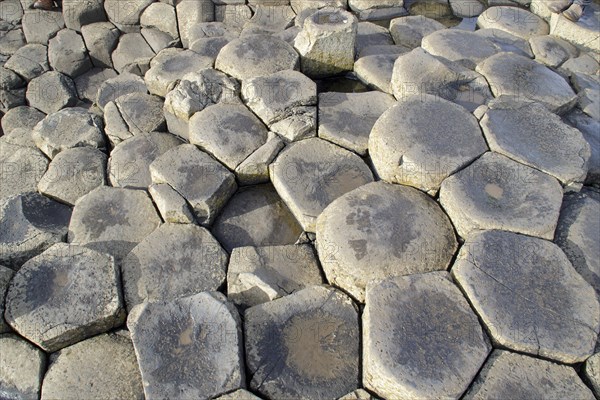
{"points": [[590, 129], [190, 347], [73, 173], [305, 345], [584, 33], [514, 20], [497, 193], [6, 275], [29, 61], [132, 54], [125, 15], [552, 51], [591, 372], [409, 31], [67, 53], [534, 136], [422, 140], [170, 204], [11, 41], [51, 92], [190, 13], [11, 11], [133, 114], [64, 295], [369, 34], [269, 18], [310, 174], [22, 368], [119, 86], [420, 338], [40, 25], [67, 129], [551, 312], [260, 274], [229, 132], [359, 240], [112, 220], [326, 42], [30, 223], [346, 119], [256, 216], [101, 39], [506, 41], [252, 56], [465, 48], [376, 70], [130, 160], [22, 168], [240, 394], [174, 261], [201, 180], [255, 169], [77, 13], [88, 84], [467, 8], [158, 40], [161, 16], [513, 375], [101, 367]]}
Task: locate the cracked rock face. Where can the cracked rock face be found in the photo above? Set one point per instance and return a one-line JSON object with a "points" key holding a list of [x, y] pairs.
{"points": [[22, 368]]}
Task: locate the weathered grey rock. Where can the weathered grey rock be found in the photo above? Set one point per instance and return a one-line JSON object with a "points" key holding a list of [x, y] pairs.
{"points": [[103, 366], [30, 224], [119, 86], [201, 180], [256, 216], [162, 17], [29, 61], [6, 275], [67, 53], [171, 205], [78, 13], [310, 174], [23, 117], [208, 30], [591, 372], [514, 20], [359, 240], [312, 350], [51, 92], [88, 84], [589, 102], [382, 50], [126, 15], [376, 70], [422, 140], [190, 347], [235, 16], [22, 367], [11, 98], [358, 394], [497, 193], [40, 25], [467, 8], [420, 338], [167, 68], [346, 119], [112, 220], [255, 168], [552, 51], [101, 39], [590, 129], [240, 394], [409, 31], [513, 75], [465, 48], [506, 41], [11, 11], [584, 33], [67, 129], [190, 13], [534, 136], [194, 93], [227, 131], [174, 261], [369, 34], [130, 160], [18, 137], [552, 312], [158, 40], [270, 18], [11, 41], [64, 295], [9, 80], [133, 114], [326, 42], [132, 54], [300, 5], [260, 274], [209, 46], [519, 376], [584, 64], [363, 5], [252, 56], [22, 169]]}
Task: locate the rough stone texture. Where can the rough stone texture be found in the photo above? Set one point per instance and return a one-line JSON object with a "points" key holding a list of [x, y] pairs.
{"points": [[506, 41], [29, 224], [360, 240], [132, 54], [130, 160], [101, 367], [497, 193], [67, 53], [40, 25], [73, 173], [305, 345], [269, 18], [255, 168], [171, 205], [133, 114], [409, 31], [78, 13], [465, 48], [591, 372], [190, 347], [551, 312], [514, 20], [195, 92], [229, 132], [11, 41], [552, 51], [382, 50], [420, 338], [240, 394], [590, 128], [67, 129], [300, 5], [584, 33], [64, 295], [358, 394], [119, 86], [512, 375], [422, 140], [236, 16], [583, 64], [201, 180], [22, 169], [88, 84], [256, 216], [6, 275], [112, 220], [252, 56], [576, 233], [161, 16], [101, 39], [326, 42], [51, 92], [376, 70], [534, 136], [369, 34], [11, 11], [310, 174], [260, 274], [190, 13], [125, 15], [467, 8], [22, 367], [172, 262], [29, 61]]}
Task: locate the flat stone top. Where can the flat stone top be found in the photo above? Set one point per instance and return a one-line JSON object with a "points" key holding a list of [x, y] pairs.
{"points": [[464, 47], [517, 21]]}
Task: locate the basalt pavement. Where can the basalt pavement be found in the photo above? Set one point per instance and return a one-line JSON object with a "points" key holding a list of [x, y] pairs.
{"points": [[295, 199]]}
